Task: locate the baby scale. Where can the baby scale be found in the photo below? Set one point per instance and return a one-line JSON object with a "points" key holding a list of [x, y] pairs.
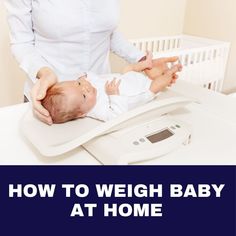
{"points": [[141, 134]]}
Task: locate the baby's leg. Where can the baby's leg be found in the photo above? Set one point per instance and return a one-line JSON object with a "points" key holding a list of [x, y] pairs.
{"points": [[153, 73], [161, 82], [140, 66]]}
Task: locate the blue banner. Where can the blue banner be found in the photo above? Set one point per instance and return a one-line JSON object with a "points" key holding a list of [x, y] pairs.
{"points": [[132, 200]]}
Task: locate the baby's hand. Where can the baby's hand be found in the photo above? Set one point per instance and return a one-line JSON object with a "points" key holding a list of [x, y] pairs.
{"points": [[112, 88]]}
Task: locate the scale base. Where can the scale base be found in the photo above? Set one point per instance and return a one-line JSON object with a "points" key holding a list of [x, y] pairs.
{"points": [[147, 141]]}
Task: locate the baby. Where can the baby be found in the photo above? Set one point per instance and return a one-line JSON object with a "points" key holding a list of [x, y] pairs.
{"points": [[105, 97]]}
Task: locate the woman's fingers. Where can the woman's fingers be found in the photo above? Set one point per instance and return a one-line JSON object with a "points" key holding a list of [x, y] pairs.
{"points": [[37, 106], [47, 78], [35, 102], [37, 94], [170, 59], [149, 55], [44, 119], [42, 89]]}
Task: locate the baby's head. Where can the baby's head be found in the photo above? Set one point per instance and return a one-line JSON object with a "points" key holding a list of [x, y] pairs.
{"points": [[70, 100]]}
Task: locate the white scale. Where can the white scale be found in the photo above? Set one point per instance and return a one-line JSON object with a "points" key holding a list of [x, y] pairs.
{"points": [[141, 134], [139, 143]]}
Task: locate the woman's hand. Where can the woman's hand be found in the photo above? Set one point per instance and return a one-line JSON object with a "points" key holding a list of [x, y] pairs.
{"points": [[46, 79], [161, 64], [112, 88]]}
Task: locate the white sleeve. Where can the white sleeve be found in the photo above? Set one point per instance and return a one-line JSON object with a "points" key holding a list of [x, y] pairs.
{"points": [[105, 112], [22, 36], [124, 49]]}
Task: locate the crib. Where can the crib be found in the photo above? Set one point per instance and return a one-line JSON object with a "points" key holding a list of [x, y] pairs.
{"points": [[204, 60]]}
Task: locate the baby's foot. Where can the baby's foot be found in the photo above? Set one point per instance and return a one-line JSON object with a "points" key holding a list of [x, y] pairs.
{"points": [[171, 76], [161, 82]]}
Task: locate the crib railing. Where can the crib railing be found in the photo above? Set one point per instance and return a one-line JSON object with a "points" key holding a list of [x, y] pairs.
{"points": [[204, 60]]}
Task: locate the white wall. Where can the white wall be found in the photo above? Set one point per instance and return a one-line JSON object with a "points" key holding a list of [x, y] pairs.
{"points": [[150, 18], [215, 19], [11, 77], [146, 18]]}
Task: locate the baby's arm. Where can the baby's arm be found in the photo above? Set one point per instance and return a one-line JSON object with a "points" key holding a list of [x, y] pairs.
{"points": [[140, 66], [117, 104]]}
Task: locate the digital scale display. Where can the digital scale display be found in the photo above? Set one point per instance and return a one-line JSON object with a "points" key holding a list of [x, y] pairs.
{"points": [[160, 136]]}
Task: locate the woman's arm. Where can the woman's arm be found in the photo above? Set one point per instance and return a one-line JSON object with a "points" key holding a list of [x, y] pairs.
{"points": [[22, 37], [125, 49], [30, 60]]}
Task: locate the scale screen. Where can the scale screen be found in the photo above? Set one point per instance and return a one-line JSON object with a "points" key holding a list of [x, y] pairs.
{"points": [[160, 136]]}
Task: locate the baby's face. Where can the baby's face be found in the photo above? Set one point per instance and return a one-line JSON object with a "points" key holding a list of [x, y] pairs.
{"points": [[81, 93]]}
